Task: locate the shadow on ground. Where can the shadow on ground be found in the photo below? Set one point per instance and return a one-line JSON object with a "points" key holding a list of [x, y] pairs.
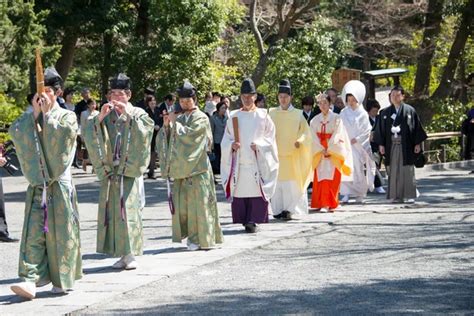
{"points": [[426, 296]]}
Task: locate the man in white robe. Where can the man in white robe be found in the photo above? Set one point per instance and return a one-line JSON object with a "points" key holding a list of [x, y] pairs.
{"points": [[249, 162]]}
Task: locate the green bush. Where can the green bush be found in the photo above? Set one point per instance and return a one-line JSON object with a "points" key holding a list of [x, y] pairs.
{"points": [[8, 113], [448, 117]]}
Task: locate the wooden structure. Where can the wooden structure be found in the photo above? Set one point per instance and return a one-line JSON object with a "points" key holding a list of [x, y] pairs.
{"points": [[373, 75], [342, 75]]}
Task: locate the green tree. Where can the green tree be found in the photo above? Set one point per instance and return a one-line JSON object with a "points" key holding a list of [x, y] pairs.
{"points": [[21, 32], [181, 44], [308, 60]]}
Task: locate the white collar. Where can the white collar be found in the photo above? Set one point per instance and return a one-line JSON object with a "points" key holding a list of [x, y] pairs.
{"points": [[290, 108]]}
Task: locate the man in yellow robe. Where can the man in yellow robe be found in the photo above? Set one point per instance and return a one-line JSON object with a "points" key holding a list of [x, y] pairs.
{"points": [[294, 140]]}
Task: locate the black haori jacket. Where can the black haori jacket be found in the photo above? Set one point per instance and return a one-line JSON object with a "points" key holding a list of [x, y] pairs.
{"points": [[412, 132]]}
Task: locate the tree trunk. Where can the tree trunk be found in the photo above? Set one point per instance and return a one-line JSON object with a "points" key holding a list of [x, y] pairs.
{"points": [[431, 31], [106, 66], [262, 65], [463, 96], [68, 46], [142, 28], [465, 30]]}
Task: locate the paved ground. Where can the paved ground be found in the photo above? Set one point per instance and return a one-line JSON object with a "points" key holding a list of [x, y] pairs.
{"points": [[364, 259]]}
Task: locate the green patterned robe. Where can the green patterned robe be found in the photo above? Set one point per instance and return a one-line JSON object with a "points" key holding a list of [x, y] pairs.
{"points": [[119, 234], [183, 157], [45, 157]]}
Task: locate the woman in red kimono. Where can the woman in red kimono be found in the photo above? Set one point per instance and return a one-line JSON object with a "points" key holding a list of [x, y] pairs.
{"points": [[332, 157]]}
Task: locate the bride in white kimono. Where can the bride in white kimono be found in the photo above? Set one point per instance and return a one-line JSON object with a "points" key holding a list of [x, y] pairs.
{"points": [[356, 122]]}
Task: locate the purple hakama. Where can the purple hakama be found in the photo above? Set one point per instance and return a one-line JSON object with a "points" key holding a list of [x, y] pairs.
{"points": [[249, 210]]}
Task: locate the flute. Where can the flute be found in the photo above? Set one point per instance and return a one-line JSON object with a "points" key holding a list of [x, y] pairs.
{"points": [[39, 73]]}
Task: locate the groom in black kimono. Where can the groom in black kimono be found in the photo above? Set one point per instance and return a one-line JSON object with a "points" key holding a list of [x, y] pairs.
{"points": [[399, 134]]}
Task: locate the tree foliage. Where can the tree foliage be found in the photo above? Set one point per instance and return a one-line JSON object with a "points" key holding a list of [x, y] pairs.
{"points": [[21, 31], [307, 59]]}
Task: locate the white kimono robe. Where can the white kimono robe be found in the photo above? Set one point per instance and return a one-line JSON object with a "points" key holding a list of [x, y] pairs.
{"points": [[358, 127], [246, 173]]}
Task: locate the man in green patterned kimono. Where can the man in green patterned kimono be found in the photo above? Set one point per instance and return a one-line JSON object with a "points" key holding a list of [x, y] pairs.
{"points": [[183, 146], [45, 142], [118, 141]]}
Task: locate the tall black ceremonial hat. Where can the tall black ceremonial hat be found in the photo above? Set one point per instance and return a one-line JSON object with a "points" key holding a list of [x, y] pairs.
{"points": [[186, 91], [248, 87], [284, 86], [120, 82], [52, 78]]}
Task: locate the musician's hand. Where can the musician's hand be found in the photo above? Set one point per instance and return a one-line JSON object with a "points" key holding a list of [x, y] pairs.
{"points": [[121, 107], [297, 144], [235, 146], [353, 141], [382, 150], [253, 146], [106, 109], [172, 117], [166, 119], [3, 161], [36, 103], [417, 149], [47, 104]]}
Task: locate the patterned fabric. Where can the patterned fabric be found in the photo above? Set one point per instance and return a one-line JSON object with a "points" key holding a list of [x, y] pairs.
{"points": [[45, 149], [119, 229], [183, 157], [183, 151], [196, 214]]}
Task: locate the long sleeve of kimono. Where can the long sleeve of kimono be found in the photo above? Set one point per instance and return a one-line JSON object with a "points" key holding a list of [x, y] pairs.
{"points": [[226, 154], [136, 142], [317, 146], [379, 132], [187, 147], [44, 158], [59, 133], [305, 149], [305, 137], [419, 132], [363, 131], [98, 146], [267, 159], [162, 148], [339, 149]]}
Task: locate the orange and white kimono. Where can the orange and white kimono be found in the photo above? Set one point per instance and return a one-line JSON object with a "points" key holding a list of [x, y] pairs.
{"points": [[331, 135]]}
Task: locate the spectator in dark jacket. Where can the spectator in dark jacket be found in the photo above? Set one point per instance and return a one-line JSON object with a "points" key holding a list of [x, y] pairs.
{"points": [[308, 112], [153, 112], [373, 108], [468, 130]]}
